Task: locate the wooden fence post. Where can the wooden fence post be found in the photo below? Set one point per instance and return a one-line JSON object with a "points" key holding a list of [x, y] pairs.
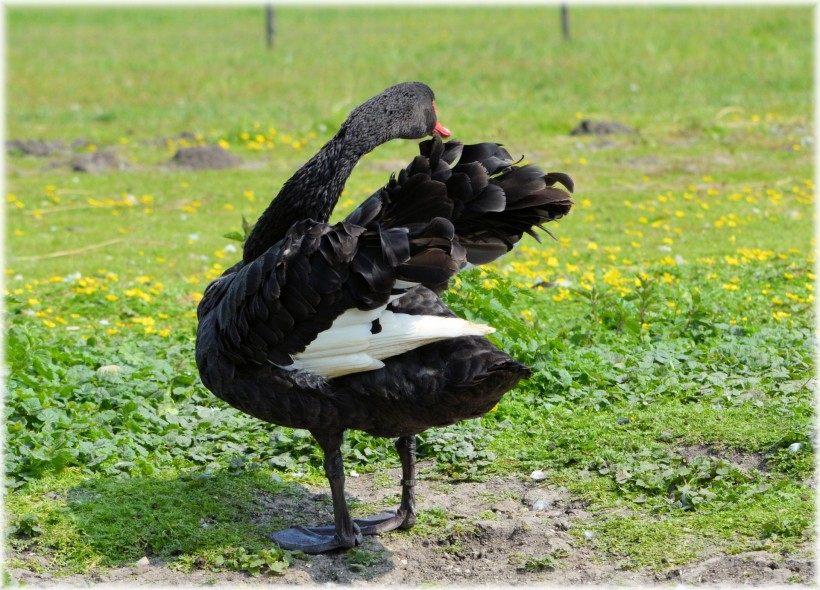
{"points": [[565, 21], [269, 25]]}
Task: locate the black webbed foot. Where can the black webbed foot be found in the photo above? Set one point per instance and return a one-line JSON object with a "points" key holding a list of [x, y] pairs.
{"points": [[386, 521], [314, 540]]}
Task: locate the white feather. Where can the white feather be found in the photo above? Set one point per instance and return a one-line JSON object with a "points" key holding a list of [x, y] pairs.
{"points": [[349, 346]]}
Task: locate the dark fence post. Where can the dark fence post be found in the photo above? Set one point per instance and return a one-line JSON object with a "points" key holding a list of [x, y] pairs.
{"points": [[565, 21], [269, 25]]}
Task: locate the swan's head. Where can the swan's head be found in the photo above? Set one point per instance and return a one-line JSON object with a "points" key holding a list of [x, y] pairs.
{"points": [[406, 111]]}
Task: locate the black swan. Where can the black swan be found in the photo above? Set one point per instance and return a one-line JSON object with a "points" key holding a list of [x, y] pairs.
{"points": [[330, 327]]}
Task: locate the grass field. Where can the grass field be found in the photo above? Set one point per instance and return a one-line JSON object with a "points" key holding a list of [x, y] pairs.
{"points": [[671, 325]]}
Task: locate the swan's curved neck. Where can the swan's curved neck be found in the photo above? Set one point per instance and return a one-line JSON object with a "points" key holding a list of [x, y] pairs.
{"points": [[311, 193]]}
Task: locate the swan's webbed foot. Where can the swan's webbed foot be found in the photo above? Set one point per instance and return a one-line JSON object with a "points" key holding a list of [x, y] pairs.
{"points": [[315, 540], [346, 533], [405, 517], [386, 521]]}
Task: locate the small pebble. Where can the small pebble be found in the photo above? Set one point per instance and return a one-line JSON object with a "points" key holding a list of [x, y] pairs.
{"points": [[143, 562], [794, 447], [588, 535], [622, 421], [541, 504], [538, 475]]}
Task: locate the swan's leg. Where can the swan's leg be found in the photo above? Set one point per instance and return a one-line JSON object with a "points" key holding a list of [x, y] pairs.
{"points": [[405, 516], [345, 534]]}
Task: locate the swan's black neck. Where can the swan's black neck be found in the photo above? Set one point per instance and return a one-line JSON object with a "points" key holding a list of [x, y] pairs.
{"points": [[311, 193]]}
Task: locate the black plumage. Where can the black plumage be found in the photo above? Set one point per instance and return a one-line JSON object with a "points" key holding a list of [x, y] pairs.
{"points": [[329, 327]]}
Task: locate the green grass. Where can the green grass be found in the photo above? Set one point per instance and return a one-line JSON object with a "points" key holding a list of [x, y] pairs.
{"points": [[681, 319]]}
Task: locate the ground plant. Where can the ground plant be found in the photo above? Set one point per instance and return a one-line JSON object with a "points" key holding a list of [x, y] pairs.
{"points": [[669, 324]]}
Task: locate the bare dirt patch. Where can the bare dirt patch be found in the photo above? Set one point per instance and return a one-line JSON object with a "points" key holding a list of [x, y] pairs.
{"points": [[104, 160], [497, 532], [204, 157], [587, 127]]}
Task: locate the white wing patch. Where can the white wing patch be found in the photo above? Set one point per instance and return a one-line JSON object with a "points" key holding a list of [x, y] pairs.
{"points": [[349, 346]]}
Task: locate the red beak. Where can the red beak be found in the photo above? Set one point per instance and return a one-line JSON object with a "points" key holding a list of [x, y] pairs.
{"points": [[441, 130]]}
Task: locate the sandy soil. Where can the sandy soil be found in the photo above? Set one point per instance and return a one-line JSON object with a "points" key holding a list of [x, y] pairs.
{"points": [[498, 525]]}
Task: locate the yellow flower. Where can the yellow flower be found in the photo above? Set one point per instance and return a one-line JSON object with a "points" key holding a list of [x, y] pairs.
{"points": [[592, 246], [137, 293], [612, 277]]}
